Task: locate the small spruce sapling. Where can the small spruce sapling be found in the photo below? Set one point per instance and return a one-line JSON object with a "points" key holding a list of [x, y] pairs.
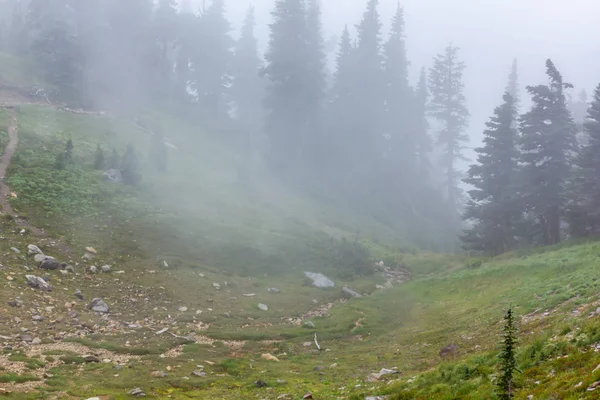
{"points": [[506, 357], [66, 157]]}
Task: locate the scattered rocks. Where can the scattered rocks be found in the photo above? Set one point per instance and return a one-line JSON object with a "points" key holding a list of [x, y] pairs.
{"points": [[273, 290], [15, 303], [269, 357], [105, 268], [263, 307], [136, 392], [351, 292], [38, 283], [98, 305], [199, 373], [159, 374], [216, 286], [319, 280], [78, 294], [49, 264]]}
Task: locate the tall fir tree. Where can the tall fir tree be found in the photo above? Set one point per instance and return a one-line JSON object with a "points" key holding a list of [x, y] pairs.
{"points": [[424, 146], [399, 118], [584, 219], [507, 357], [512, 87], [286, 69], [548, 143], [494, 208], [448, 106], [166, 34]]}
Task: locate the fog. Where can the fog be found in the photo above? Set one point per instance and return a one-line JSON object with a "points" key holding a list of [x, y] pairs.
{"points": [[490, 35]]}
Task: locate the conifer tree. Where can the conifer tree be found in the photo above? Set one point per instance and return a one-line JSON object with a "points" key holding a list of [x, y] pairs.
{"points": [[399, 100], [247, 87], [547, 144], [423, 140], [494, 208], [512, 87], [585, 210], [285, 100], [448, 106], [508, 364]]}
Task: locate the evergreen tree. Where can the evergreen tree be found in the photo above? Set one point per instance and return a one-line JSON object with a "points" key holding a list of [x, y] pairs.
{"points": [[211, 58], [423, 140], [548, 144], [285, 99], [399, 99], [494, 206], [512, 87], [166, 34], [130, 167], [448, 106], [99, 159], [247, 86], [65, 158], [585, 210], [506, 358]]}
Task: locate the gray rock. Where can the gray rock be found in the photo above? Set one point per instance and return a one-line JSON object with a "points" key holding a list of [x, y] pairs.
{"points": [[49, 264], [273, 290], [260, 384], [105, 269], [98, 305], [319, 280], [26, 338], [78, 294], [351, 292], [38, 283], [72, 314], [37, 318], [113, 175], [93, 269], [36, 341], [88, 256], [309, 324], [159, 374], [38, 258], [14, 249], [136, 392], [70, 268], [199, 373], [90, 358], [32, 250], [15, 303], [263, 307], [182, 309]]}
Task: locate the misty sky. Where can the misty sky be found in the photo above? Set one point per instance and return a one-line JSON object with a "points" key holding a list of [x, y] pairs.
{"points": [[490, 34]]}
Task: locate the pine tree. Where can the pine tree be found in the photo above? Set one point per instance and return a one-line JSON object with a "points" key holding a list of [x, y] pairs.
{"points": [[286, 69], [399, 99], [506, 357], [211, 58], [585, 210], [130, 168], [423, 140], [99, 159], [65, 158], [166, 34], [494, 206], [448, 106], [512, 87], [547, 144], [247, 87]]}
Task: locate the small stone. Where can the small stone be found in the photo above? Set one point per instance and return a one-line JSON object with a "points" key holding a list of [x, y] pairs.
{"points": [[26, 338], [38, 283], [216, 286], [70, 268], [199, 373], [334, 365], [90, 358], [283, 396], [37, 318], [88, 256], [49, 264], [183, 309], [309, 324], [78, 294], [32, 250], [273, 290], [260, 384], [308, 396], [14, 249], [136, 392], [93, 269], [269, 357], [36, 341], [49, 309], [91, 250], [98, 305], [39, 257], [72, 314], [159, 374], [263, 307], [105, 269]]}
